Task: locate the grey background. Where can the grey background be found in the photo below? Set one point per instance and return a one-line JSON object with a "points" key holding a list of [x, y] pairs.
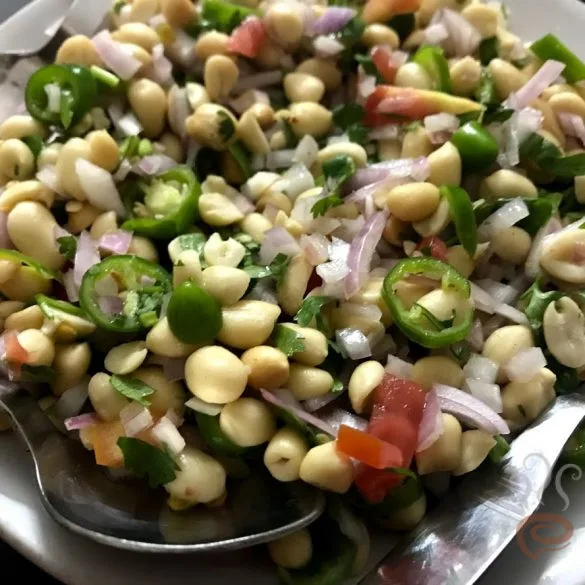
{"points": [[9, 7]]}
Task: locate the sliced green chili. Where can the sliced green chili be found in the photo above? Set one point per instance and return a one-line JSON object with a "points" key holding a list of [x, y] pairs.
{"points": [[224, 16], [143, 285], [461, 211], [164, 208], [414, 322], [433, 61], [213, 435], [64, 312], [574, 451], [550, 47], [477, 147], [22, 260]]}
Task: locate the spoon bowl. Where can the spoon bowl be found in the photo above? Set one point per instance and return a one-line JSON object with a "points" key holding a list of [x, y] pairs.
{"points": [[126, 514]]}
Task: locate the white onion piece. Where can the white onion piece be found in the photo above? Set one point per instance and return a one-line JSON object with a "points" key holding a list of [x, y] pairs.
{"points": [[506, 216], [572, 125], [183, 49], [306, 151], [124, 169], [129, 125], [258, 80], [99, 187], [154, 164], [82, 421], [354, 342], [431, 425], [86, 256], [353, 528], [243, 204], [386, 132], [481, 368], [392, 170], [464, 38], [470, 410], [295, 181], [361, 252], [513, 132], [489, 394], [71, 289], [110, 305], [314, 404], [435, 34], [48, 177], [279, 159], [399, 367], [135, 418], [335, 417], [115, 56], [283, 400], [315, 247], [337, 268], [511, 313], [199, 405], [366, 85], [72, 400], [117, 242], [524, 365], [327, 46], [161, 70], [543, 78], [53, 92], [502, 293], [277, 241], [166, 433], [476, 337], [248, 99], [439, 127]]}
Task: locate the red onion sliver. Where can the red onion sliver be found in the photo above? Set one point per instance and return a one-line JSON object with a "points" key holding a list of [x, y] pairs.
{"points": [[277, 241], [71, 289], [314, 404], [154, 164], [82, 421], [488, 393], [464, 38], [115, 56], [431, 425], [572, 125], [86, 256], [161, 70], [332, 21], [117, 242], [354, 342], [543, 78]]}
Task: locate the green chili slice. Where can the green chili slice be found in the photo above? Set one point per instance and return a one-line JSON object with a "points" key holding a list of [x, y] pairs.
{"points": [[550, 47], [78, 93], [477, 147], [574, 451], [433, 61], [143, 285], [64, 312], [165, 207], [213, 435], [22, 260], [463, 216], [419, 324], [224, 16]]}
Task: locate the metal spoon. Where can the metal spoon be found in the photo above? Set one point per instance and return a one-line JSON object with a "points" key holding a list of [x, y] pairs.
{"points": [[127, 515]]}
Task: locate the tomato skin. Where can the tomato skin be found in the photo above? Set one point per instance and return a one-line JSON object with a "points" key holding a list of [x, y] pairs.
{"points": [[389, 104], [396, 415], [15, 353], [315, 281], [248, 38], [382, 59], [436, 246], [367, 448]]}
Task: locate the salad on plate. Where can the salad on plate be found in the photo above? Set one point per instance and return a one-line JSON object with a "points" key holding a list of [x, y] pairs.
{"points": [[337, 243]]}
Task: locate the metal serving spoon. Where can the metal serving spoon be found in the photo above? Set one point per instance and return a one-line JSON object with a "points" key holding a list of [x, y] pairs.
{"points": [[128, 515]]}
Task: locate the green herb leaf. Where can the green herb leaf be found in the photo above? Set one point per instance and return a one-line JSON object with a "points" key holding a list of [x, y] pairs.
{"points": [[227, 127], [35, 144], [242, 157], [486, 93], [488, 50], [67, 246], [288, 340], [323, 205], [358, 134], [351, 32], [336, 171], [497, 114], [223, 16], [144, 460], [403, 471], [37, 374], [276, 269], [132, 388], [311, 309], [499, 450], [368, 66], [403, 25], [337, 387], [347, 115]]}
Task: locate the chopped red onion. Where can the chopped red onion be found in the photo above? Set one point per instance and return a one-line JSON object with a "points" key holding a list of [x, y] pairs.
{"points": [[386, 132], [86, 256], [332, 21], [117, 242], [166, 433], [110, 305], [161, 70], [396, 170], [71, 289], [99, 186], [543, 78], [135, 418], [464, 38], [248, 99], [489, 394], [315, 247], [279, 159], [399, 367], [481, 368], [271, 213], [154, 164], [486, 303], [508, 215], [115, 56], [435, 34], [335, 417], [72, 400], [277, 241], [431, 425], [284, 399], [337, 268], [306, 151], [572, 125], [366, 85], [258, 80], [475, 337], [183, 48], [511, 313], [513, 132], [199, 405], [354, 342], [327, 46], [361, 251], [470, 410], [318, 403], [532, 266], [48, 177], [439, 127], [82, 421], [243, 204], [524, 365], [502, 293], [295, 181]]}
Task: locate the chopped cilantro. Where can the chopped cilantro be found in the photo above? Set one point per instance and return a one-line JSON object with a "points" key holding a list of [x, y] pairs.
{"points": [[337, 386], [67, 246], [323, 205], [311, 309], [288, 340], [227, 127], [276, 269], [144, 460], [132, 388], [35, 144], [242, 157], [488, 50], [346, 115], [336, 171]]}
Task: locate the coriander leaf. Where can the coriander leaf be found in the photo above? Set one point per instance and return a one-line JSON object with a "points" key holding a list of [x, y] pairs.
{"points": [[488, 50], [358, 134], [498, 114], [346, 115], [227, 127], [132, 388], [242, 157], [403, 25], [566, 166], [337, 387], [311, 309], [288, 340], [351, 33], [67, 246], [323, 205], [368, 66], [144, 460], [276, 269], [539, 150]]}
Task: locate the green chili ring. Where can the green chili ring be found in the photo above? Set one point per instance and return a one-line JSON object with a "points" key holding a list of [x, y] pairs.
{"points": [[463, 216]]}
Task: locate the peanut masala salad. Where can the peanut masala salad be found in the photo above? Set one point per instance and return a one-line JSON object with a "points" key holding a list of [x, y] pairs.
{"points": [[340, 243]]}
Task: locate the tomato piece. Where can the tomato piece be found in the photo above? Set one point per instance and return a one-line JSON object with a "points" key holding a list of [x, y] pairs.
{"points": [[104, 439], [382, 59], [384, 10], [400, 397], [15, 353], [367, 448], [375, 484], [436, 247], [387, 104], [248, 38], [315, 281]]}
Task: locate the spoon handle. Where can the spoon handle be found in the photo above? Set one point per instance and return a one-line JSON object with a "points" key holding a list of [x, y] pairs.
{"points": [[30, 421]]}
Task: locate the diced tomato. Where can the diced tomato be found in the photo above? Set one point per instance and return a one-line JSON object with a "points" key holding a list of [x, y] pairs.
{"points": [[436, 247], [384, 10], [367, 448], [315, 281], [390, 104], [15, 353], [396, 415], [386, 66], [104, 439], [248, 38]]}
